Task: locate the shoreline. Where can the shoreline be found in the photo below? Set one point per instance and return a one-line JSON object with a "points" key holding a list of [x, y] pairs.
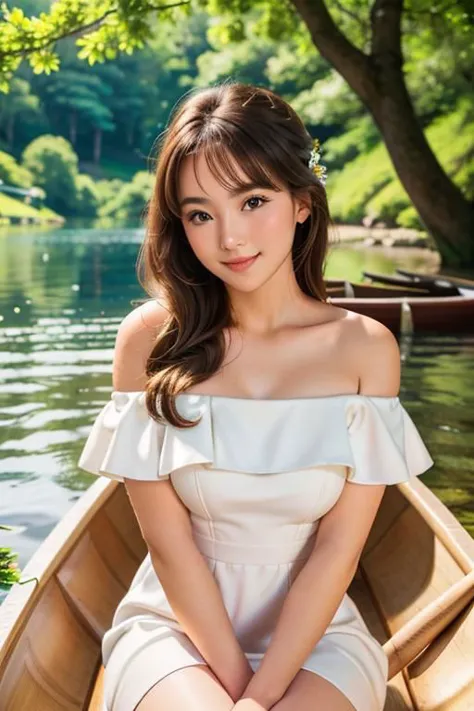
{"points": [[377, 235]]}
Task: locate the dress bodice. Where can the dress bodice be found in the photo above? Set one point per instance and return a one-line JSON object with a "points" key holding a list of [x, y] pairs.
{"points": [[372, 438]]}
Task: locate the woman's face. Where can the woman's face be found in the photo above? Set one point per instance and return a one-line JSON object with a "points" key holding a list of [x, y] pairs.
{"points": [[221, 226]]}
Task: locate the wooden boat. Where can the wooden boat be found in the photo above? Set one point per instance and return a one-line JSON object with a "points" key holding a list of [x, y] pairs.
{"points": [[435, 286], [455, 280], [414, 588], [404, 305]]}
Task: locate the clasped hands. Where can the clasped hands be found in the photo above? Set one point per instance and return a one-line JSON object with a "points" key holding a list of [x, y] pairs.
{"points": [[249, 705]]}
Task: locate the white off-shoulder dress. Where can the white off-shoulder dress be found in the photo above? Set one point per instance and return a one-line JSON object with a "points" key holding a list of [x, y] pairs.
{"points": [[256, 476]]}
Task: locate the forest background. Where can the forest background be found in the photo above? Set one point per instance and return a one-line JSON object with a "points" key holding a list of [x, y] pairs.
{"points": [[82, 132]]}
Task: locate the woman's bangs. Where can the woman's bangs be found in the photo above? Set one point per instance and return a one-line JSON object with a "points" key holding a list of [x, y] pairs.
{"points": [[225, 160]]}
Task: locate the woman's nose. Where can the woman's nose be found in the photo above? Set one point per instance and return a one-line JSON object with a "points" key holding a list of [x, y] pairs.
{"points": [[231, 235]]}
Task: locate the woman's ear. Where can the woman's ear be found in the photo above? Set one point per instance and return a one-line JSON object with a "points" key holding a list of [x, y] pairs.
{"points": [[303, 208]]}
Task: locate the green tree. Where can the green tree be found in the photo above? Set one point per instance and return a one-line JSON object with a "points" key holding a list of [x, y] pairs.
{"points": [[19, 102], [129, 203], [105, 29], [84, 98], [87, 196], [70, 94], [54, 166], [125, 99], [11, 173]]}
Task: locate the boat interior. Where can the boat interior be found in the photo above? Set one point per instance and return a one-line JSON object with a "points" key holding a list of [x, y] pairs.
{"points": [[52, 623]]}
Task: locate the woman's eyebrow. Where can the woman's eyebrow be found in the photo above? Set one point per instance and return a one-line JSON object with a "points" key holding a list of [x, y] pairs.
{"points": [[233, 193]]}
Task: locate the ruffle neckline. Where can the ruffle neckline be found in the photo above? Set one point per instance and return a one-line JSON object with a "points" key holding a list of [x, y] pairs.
{"points": [[373, 436]]}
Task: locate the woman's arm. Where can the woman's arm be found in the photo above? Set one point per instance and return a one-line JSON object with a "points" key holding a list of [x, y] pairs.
{"points": [[166, 527], [316, 593], [318, 590], [188, 582]]}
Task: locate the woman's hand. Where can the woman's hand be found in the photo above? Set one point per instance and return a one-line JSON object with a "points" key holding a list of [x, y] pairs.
{"points": [[239, 682], [249, 705], [254, 699]]}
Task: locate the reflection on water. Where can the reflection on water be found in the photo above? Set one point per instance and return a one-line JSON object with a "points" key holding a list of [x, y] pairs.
{"points": [[63, 293]]}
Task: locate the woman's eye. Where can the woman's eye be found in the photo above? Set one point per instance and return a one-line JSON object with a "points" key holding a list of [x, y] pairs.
{"points": [[257, 197], [195, 214], [198, 214]]}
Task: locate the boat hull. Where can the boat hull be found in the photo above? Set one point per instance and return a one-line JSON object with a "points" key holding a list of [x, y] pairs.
{"points": [[434, 314]]}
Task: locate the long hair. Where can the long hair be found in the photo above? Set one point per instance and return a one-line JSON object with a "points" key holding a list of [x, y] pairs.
{"points": [[263, 134]]}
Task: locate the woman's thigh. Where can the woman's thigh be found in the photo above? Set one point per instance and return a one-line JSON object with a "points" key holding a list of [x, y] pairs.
{"points": [[193, 688], [310, 692]]}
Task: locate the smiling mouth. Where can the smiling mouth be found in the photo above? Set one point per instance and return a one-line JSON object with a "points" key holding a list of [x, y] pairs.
{"points": [[243, 264], [243, 260]]}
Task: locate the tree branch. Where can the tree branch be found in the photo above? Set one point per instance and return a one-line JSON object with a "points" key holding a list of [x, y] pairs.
{"points": [[386, 19], [334, 46], [83, 29]]}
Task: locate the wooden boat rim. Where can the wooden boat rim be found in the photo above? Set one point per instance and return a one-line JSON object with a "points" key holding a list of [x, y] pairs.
{"points": [[22, 597], [412, 300]]}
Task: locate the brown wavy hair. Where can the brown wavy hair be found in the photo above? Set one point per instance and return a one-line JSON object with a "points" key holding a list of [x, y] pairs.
{"points": [[265, 136]]}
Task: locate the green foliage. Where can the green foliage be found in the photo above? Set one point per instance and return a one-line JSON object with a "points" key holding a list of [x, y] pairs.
{"points": [[107, 28], [291, 70], [360, 135], [388, 202], [14, 174], [410, 218], [129, 204], [439, 54], [247, 60], [9, 570], [53, 164], [87, 196], [83, 94], [360, 180], [328, 101], [368, 185], [450, 137], [21, 102], [107, 190]]}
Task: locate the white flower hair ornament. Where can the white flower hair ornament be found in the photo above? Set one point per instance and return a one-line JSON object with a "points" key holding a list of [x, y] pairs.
{"points": [[314, 165]]}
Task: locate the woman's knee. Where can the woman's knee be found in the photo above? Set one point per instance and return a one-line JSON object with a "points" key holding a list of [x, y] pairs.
{"points": [[193, 688], [311, 692]]}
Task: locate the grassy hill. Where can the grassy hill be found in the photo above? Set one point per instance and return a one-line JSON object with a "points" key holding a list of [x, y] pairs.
{"points": [[12, 211]]}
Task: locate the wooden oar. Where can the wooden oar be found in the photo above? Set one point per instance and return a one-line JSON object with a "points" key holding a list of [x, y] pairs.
{"points": [[424, 627]]}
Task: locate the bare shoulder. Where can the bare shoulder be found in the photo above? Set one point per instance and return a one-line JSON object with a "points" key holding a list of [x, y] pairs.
{"points": [[136, 335], [374, 352]]}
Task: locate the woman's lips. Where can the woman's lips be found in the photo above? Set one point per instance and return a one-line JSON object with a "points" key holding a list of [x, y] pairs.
{"points": [[241, 266]]}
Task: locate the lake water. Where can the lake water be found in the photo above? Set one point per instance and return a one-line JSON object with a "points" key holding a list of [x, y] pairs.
{"points": [[63, 294]]}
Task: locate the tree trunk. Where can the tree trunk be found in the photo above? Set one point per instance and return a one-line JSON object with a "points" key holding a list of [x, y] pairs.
{"points": [[10, 130], [97, 145], [447, 214], [73, 127], [379, 82]]}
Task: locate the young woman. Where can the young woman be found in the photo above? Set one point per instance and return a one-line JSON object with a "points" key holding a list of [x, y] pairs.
{"points": [[255, 427]]}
